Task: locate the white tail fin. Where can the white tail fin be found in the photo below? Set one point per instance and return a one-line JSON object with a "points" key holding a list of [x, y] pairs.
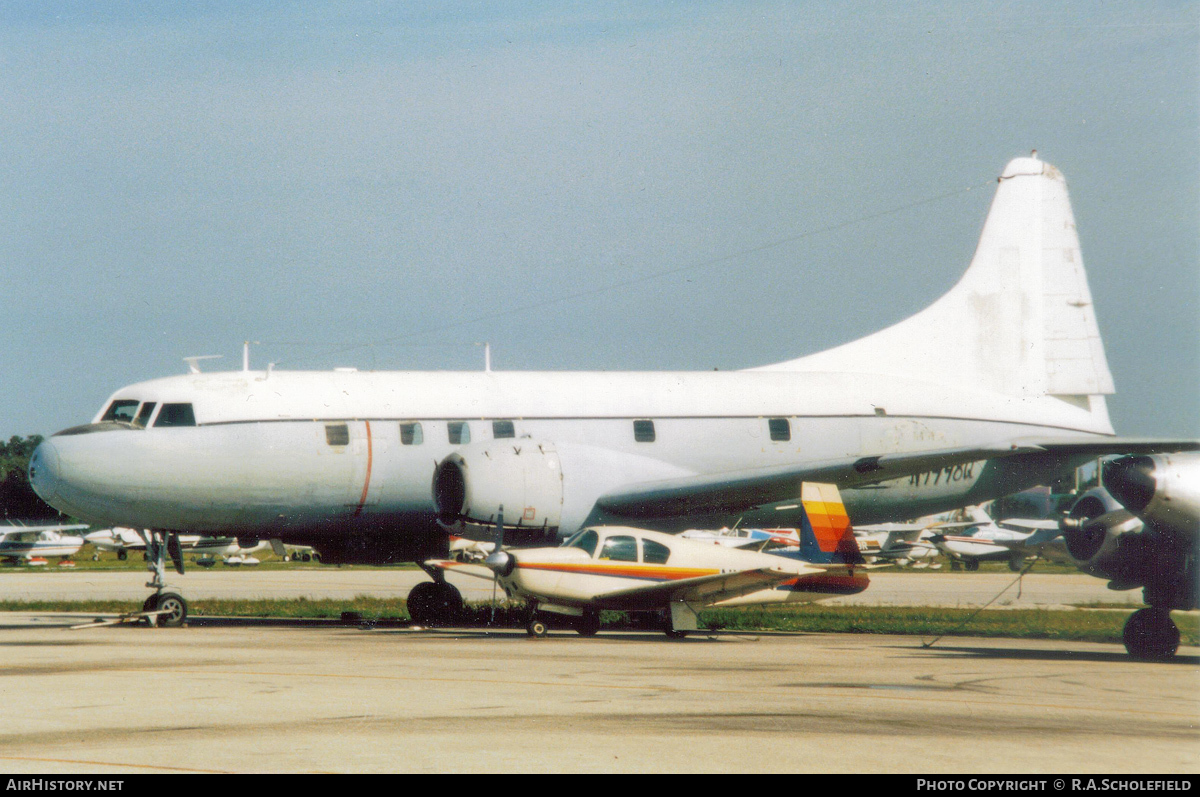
{"points": [[1019, 322]]}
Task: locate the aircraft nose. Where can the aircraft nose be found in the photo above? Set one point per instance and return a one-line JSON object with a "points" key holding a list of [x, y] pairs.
{"points": [[1131, 481], [44, 471]]}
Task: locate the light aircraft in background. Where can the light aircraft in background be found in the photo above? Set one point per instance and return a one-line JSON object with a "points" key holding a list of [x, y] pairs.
{"points": [[1155, 518], [122, 540], [982, 539], [776, 540], [901, 544], [26, 543], [997, 386], [630, 569]]}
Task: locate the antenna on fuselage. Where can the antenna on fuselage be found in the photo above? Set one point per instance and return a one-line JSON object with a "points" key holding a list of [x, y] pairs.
{"points": [[194, 362], [246, 353]]}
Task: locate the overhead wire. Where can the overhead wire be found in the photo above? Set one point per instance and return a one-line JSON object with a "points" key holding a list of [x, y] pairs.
{"points": [[626, 283]]}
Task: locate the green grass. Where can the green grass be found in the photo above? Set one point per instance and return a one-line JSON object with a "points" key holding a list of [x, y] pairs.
{"points": [[1079, 625]]}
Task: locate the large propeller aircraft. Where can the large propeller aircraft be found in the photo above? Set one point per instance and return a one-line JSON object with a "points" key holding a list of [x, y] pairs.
{"points": [[997, 386]]}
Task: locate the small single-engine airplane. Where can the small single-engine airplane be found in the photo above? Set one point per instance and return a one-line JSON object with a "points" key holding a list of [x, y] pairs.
{"points": [[26, 543], [982, 539], [636, 570], [899, 544]]}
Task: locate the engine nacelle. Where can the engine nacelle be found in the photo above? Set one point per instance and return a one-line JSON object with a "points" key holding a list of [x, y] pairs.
{"points": [[1163, 489], [522, 476], [1087, 539]]}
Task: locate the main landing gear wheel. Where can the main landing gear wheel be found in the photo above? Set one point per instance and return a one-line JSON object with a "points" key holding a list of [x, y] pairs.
{"points": [[972, 565], [588, 624], [170, 602], [1150, 635], [433, 603], [535, 627]]}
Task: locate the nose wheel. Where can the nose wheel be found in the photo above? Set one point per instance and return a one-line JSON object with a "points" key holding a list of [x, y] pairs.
{"points": [[165, 608]]}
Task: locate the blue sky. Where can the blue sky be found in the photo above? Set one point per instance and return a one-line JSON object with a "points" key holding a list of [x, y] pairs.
{"points": [[387, 187]]}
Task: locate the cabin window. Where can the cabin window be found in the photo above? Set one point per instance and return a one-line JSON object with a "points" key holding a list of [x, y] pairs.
{"points": [[143, 417], [503, 429], [585, 540], [655, 553], [460, 433], [175, 415], [411, 434], [337, 434], [121, 410], [620, 549], [643, 431], [781, 429]]}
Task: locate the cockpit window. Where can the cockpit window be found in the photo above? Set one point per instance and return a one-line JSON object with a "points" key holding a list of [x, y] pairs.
{"points": [[143, 416], [175, 415], [620, 549], [121, 410], [655, 553], [585, 540]]}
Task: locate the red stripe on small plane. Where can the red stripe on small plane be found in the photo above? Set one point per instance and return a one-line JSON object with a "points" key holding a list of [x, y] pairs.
{"points": [[622, 571], [367, 481]]}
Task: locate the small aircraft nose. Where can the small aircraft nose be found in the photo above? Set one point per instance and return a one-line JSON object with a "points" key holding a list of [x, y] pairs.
{"points": [[1131, 481], [44, 471]]}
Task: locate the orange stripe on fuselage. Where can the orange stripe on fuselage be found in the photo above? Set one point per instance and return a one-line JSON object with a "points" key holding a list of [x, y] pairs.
{"points": [[630, 570]]}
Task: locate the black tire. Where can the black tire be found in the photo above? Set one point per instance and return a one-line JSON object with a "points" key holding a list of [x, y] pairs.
{"points": [[171, 602], [1016, 564], [972, 565], [434, 604], [536, 628], [588, 624], [1150, 635], [676, 633], [122, 554]]}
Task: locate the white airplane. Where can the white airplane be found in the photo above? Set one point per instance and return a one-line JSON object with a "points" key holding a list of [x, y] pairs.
{"points": [[24, 543], [982, 539], [1149, 540], [999, 385], [748, 539], [900, 544], [123, 540], [630, 569]]}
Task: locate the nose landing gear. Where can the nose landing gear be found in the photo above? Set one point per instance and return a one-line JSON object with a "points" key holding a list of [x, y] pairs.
{"points": [[165, 608]]}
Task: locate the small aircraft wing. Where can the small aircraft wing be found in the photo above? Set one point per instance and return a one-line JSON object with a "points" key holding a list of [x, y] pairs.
{"points": [[704, 589], [1025, 524], [737, 490], [467, 569], [51, 527]]}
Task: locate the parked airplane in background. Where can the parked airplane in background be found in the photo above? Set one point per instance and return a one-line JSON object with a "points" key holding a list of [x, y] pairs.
{"points": [[982, 539], [629, 569], [997, 386], [123, 540], [775, 540], [1150, 540], [25, 543], [898, 543]]}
